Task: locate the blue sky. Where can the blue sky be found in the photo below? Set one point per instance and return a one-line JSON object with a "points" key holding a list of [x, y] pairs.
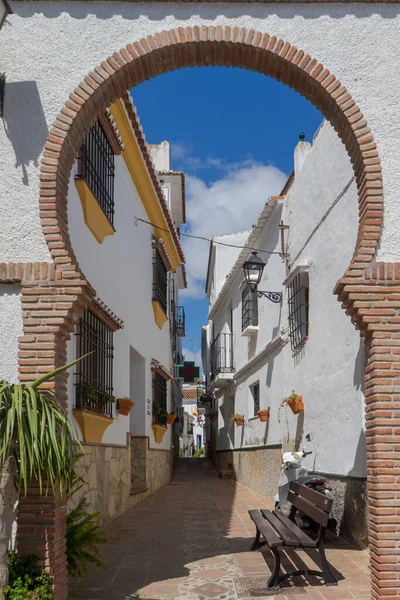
{"points": [[233, 133]]}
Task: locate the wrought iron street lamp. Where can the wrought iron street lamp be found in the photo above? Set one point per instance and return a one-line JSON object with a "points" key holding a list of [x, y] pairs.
{"points": [[5, 10], [253, 269], [206, 400]]}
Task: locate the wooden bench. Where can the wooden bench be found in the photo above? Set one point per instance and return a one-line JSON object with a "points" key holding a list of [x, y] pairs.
{"points": [[279, 531]]}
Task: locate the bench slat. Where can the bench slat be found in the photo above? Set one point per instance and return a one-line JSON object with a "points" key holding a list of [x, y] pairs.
{"points": [[319, 500], [289, 538], [305, 540], [270, 536], [308, 509]]}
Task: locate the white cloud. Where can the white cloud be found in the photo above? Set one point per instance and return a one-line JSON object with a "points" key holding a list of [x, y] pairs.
{"points": [[231, 204], [184, 158], [178, 151]]}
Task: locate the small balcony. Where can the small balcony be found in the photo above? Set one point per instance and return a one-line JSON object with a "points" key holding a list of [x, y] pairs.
{"points": [[180, 321], [222, 365]]}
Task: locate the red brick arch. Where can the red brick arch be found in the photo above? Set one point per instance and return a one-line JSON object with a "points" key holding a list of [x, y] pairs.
{"points": [[369, 291]]}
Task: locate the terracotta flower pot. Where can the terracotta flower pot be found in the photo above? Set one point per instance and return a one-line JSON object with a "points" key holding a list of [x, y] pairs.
{"points": [[263, 415], [125, 406], [296, 405], [171, 419], [239, 422]]}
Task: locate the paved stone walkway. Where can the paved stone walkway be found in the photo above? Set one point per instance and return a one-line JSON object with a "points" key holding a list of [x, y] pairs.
{"points": [[191, 540]]}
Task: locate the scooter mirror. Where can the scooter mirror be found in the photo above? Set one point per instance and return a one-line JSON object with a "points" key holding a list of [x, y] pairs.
{"points": [[309, 437]]}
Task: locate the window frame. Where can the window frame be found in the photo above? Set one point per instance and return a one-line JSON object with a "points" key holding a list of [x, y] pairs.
{"points": [[96, 166], [160, 280], [249, 308], [298, 290], [160, 398], [94, 373], [253, 387]]}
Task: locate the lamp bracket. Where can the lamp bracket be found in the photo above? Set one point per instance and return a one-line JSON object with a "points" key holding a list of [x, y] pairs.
{"points": [[275, 297]]}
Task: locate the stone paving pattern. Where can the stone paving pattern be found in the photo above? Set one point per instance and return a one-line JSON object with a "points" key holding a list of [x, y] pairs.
{"points": [[190, 540]]}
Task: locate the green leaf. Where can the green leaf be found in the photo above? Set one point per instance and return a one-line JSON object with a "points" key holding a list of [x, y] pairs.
{"points": [[55, 372]]}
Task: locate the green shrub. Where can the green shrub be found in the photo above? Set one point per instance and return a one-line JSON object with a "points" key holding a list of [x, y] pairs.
{"points": [[83, 535], [199, 454], [26, 582]]}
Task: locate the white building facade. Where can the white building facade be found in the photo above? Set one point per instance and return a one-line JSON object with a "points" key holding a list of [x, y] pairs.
{"points": [[134, 326], [260, 351]]}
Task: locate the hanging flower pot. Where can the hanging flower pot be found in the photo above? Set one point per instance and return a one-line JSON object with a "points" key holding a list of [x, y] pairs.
{"points": [[263, 415], [125, 406], [295, 403], [171, 417], [238, 420]]}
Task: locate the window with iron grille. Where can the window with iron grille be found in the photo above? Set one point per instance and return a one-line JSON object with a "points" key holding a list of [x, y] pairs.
{"points": [[298, 305], [160, 281], [160, 400], [255, 392], [249, 308], [96, 167], [94, 376]]}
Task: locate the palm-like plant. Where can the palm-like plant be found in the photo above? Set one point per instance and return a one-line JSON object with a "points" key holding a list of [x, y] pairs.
{"points": [[37, 443]]}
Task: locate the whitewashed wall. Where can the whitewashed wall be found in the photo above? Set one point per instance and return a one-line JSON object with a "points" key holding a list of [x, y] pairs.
{"points": [[120, 269], [329, 370], [48, 47], [10, 330], [222, 259], [246, 348]]}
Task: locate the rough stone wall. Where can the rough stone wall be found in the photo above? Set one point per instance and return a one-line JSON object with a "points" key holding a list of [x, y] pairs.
{"points": [[113, 475], [350, 509], [258, 469], [160, 469], [151, 468], [107, 473], [139, 463]]}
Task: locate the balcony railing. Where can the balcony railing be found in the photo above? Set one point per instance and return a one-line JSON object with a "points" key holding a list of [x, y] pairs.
{"points": [[180, 321], [222, 355]]}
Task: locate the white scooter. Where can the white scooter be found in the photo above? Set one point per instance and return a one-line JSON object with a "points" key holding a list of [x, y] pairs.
{"points": [[292, 470]]}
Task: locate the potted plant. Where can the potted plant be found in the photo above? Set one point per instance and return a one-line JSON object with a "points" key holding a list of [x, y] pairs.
{"points": [[105, 398], [171, 417], [295, 403], [159, 413], [263, 415], [125, 406], [237, 419], [159, 424]]}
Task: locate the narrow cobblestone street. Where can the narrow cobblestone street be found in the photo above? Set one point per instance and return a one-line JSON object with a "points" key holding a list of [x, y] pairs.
{"points": [[191, 541]]}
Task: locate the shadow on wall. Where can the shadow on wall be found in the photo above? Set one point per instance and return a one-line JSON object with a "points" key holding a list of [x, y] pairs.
{"points": [[23, 101], [351, 494], [359, 368], [158, 11], [354, 518]]}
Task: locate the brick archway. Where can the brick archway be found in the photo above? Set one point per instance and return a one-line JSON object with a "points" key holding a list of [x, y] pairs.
{"points": [[370, 292]]}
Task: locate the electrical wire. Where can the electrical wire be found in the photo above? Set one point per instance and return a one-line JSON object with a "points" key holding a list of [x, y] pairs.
{"points": [[205, 239]]}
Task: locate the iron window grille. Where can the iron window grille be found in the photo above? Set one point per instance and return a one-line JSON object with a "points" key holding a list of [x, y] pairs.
{"points": [[96, 167], [94, 376], [255, 390], [298, 310], [160, 400], [160, 281], [222, 355], [249, 308]]}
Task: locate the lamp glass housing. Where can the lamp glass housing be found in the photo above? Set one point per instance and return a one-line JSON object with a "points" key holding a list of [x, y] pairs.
{"points": [[253, 269]]}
